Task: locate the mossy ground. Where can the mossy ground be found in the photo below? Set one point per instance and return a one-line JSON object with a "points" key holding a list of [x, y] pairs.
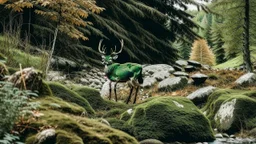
{"points": [[245, 108], [63, 113], [66, 94], [160, 118], [85, 130], [103, 107]]}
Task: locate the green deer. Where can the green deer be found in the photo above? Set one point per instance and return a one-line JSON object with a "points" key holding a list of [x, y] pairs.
{"points": [[116, 72]]}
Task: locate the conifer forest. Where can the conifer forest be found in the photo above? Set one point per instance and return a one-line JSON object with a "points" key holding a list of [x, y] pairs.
{"points": [[127, 71]]}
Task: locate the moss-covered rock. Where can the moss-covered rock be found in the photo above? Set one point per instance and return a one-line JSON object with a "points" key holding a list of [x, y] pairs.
{"points": [[120, 124], [78, 130], [58, 104], [231, 110], [96, 101], [66, 94], [170, 119]]}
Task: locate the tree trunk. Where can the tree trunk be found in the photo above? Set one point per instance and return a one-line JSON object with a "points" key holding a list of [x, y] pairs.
{"points": [[52, 50], [246, 45]]}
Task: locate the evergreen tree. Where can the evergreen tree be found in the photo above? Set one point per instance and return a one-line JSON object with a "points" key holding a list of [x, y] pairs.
{"points": [[184, 49], [201, 52], [217, 41], [148, 27], [238, 27]]}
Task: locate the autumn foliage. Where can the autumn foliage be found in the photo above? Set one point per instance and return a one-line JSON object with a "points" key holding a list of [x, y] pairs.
{"points": [[202, 53], [67, 14]]}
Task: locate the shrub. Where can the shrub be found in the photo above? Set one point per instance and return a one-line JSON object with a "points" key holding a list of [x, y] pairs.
{"points": [[13, 103]]}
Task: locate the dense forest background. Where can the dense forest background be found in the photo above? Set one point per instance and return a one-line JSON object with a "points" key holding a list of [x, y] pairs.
{"points": [[154, 31]]}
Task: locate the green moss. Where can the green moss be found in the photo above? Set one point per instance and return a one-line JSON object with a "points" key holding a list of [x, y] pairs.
{"points": [[96, 101], [125, 116], [64, 137], [244, 112], [45, 90], [58, 104], [66, 94], [120, 124], [30, 139], [170, 119], [113, 113], [75, 129]]}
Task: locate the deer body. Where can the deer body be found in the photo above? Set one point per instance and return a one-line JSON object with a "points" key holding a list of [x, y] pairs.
{"points": [[127, 72]]}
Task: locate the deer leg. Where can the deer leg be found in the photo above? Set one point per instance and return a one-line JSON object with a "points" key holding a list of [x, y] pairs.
{"points": [[115, 91], [137, 89], [109, 90], [128, 99]]}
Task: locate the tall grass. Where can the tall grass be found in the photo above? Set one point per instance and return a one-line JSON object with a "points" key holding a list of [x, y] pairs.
{"points": [[17, 51]]}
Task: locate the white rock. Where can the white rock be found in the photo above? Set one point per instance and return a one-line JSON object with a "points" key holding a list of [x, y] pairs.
{"points": [[148, 82], [171, 84], [161, 75], [249, 78], [129, 111], [151, 69], [201, 94], [44, 136], [225, 115]]}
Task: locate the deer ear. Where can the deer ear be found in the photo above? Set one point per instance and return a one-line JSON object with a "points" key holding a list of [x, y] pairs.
{"points": [[115, 57]]}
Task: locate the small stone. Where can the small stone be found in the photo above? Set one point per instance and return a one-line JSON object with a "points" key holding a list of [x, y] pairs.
{"points": [[46, 136], [177, 68], [180, 73], [194, 63], [225, 135], [189, 68], [219, 135], [181, 63], [151, 141], [199, 78]]}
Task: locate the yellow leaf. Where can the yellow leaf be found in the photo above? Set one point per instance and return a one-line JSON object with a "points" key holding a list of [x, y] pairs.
{"points": [[3, 1]]}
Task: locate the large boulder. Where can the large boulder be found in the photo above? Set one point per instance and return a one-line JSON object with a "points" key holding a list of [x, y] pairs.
{"points": [[151, 69], [171, 84], [247, 79], [201, 95], [170, 119], [231, 110]]}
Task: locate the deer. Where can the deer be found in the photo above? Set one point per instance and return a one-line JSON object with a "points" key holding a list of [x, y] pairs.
{"points": [[121, 73]]}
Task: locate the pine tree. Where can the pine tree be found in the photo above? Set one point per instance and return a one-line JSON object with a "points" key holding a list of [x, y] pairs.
{"points": [[238, 27], [217, 40], [201, 52]]}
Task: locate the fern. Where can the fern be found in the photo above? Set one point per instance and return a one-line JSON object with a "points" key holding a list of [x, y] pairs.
{"points": [[13, 103]]}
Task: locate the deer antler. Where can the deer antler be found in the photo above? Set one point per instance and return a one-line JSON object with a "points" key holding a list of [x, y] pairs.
{"points": [[122, 45], [99, 48]]}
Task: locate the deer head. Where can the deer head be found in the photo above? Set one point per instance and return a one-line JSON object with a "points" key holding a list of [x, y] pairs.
{"points": [[108, 59]]}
